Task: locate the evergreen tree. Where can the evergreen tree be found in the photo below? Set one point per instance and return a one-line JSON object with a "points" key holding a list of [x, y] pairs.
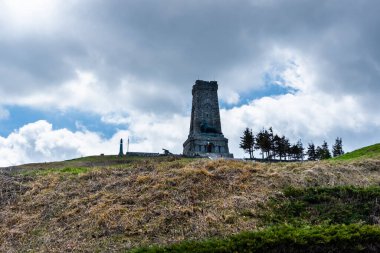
{"points": [[318, 153], [247, 142], [337, 147], [293, 151], [276, 146], [281, 146], [263, 142], [311, 153], [272, 152], [325, 151], [299, 150], [286, 146]]}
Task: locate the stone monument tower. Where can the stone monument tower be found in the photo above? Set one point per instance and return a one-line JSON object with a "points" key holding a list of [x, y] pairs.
{"points": [[121, 148], [205, 137]]}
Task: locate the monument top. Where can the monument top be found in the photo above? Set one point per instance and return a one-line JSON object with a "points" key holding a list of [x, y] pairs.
{"points": [[201, 82]]}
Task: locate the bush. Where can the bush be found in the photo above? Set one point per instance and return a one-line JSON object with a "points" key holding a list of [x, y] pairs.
{"points": [[323, 205], [312, 239]]}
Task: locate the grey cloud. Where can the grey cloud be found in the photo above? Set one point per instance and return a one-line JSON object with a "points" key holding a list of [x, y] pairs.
{"points": [[172, 43], [28, 66]]}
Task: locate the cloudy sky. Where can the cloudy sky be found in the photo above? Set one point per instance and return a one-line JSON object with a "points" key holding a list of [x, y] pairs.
{"points": [[78, 75]]}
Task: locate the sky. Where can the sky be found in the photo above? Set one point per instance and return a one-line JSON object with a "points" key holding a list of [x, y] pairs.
{"points": [[78, 75]]}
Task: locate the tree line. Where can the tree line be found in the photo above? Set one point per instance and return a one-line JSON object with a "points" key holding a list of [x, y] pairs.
{"points": [[275, 147]]}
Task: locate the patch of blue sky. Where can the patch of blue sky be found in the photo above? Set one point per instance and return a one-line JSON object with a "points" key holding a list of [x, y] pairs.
{"points": [[273, 85], [71, 120]]}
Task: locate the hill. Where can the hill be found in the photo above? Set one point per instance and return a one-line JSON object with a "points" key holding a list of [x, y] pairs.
{"points": [[115, 204], [372, 151]]}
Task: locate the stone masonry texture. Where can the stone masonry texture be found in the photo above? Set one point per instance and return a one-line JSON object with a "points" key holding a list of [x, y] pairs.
{"points": [[205, 136]]}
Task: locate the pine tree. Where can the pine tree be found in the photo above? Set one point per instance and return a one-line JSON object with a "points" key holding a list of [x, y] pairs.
{"points": [[337, 147], [311, 153], [276, 146], [300, 149], [285, 148], [263, 142], [325, 151], [293, 152], [247, 142], [272, 152], [318, 153]]}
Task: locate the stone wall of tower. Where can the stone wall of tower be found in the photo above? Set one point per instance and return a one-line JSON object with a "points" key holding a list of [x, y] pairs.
{"points": [[205, 135], [205, 108]]}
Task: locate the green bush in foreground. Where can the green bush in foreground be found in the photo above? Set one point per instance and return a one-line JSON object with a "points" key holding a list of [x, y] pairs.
{"points": [[329, 205], [311, 239]]}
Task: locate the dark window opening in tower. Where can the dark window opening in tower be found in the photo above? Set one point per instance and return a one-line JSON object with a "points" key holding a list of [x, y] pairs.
{"points": [[209, 147]]}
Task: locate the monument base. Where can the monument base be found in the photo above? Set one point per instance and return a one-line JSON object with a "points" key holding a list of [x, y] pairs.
{"points": [[206, 145]]}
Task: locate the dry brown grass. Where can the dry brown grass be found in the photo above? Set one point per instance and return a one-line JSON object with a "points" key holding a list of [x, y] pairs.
{"points": [[151, 201]]}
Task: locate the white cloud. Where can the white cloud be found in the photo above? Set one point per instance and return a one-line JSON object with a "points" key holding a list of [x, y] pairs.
{"points": [[159, 133], [39, 142], [4, 114], [312, 118], [32, 16], [229, 96]]}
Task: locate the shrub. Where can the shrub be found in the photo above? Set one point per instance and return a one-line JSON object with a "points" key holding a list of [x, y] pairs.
{"points": [[317, 205], [312, 239]]}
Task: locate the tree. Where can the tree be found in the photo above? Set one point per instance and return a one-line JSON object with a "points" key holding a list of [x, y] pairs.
{"points": [[263, 142], [299, 150], [272, 152], [295, 152], [337, 147], [276, 146], [247, 142], [311, 153], [285, 146], [325, 151], [292, 153], [318, 153], [281, 146]]}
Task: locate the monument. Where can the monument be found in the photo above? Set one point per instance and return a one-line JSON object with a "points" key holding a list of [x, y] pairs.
{"points": [[121, 148], [205, 136]]}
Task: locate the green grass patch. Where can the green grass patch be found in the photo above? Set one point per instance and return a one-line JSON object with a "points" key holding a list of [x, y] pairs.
{"points": [[372, 151], [66, 170], [106, 159], [322, 205], [326, 238]]}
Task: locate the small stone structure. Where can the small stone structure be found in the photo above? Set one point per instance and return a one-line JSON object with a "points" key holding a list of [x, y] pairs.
{"points": [[142, 154], [121, 153], [205, 137]]}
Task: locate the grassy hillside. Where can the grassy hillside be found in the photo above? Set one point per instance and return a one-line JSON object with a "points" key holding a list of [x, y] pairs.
{"points": [[372, 151], [115, 204]]}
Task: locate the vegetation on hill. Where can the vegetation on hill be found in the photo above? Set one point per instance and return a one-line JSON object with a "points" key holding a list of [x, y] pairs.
{"points": [[285, 238], [324, 205], [275, 147], [372, 151], [115, 204], [317, 219]]}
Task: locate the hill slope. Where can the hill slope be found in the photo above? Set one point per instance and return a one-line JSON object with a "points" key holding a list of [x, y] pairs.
{"points": [[113, 204], [372, 151]]}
